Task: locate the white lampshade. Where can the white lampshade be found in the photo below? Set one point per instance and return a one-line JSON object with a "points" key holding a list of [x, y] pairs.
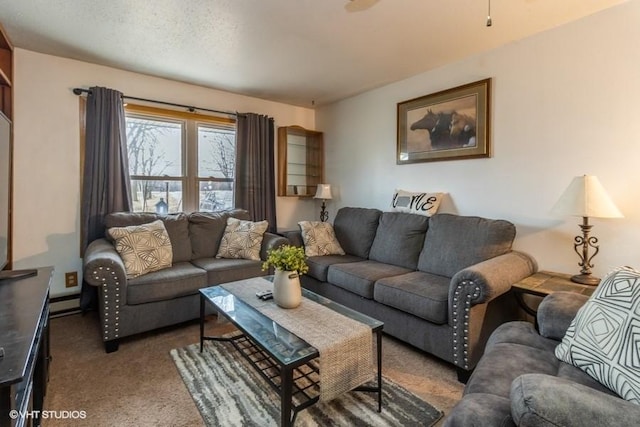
{"points": [[586, 197], [323, 192]]}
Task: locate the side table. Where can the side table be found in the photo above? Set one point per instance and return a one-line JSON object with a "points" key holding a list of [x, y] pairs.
{"points": [[544, 283]]}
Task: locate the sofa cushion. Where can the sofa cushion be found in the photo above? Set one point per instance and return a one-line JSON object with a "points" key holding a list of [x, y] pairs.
{"points": [[399, 239], [481, 410], [143, 248], [603, 338], [359, 277], [222, 270], [455, 242], [520, 333], [242, 239], [422, 294], [319, 239], [576, 375], [524, 334], [177, 226], [545, 400], [181, 279], [206, 230], [319, 265], [503, 363], [355, 229]]}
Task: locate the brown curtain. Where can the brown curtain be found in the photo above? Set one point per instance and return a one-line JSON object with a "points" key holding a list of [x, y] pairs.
{"points": [[105, 185], [255, 184]]}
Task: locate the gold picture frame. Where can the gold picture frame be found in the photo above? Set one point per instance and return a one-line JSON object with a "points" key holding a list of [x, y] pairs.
{"points": [[451, 124]]}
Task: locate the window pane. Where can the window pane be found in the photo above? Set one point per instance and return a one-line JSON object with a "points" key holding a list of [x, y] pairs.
{"points": [[150, 196], [215, 196], [155, 147], [216, 152]]}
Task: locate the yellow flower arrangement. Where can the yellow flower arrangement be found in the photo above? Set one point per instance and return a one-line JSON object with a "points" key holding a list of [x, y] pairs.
{"points": [[287, 258]]}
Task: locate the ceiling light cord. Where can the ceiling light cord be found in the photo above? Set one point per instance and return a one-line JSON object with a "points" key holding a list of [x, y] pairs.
{"points": [[489, 23]]}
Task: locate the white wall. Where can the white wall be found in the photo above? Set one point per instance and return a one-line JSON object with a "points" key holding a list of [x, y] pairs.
{"points": [[565, 102], [47, 174]]}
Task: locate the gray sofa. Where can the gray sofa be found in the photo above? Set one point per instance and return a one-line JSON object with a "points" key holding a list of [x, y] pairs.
{"points": [[441, 283], [168, 296], [519, 381]]}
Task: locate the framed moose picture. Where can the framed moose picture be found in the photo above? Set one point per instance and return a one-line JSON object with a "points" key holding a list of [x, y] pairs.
{"points": [[448, 125]]}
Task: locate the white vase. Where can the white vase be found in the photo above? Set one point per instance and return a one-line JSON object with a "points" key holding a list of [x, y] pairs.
{"points": [[286, 289]]}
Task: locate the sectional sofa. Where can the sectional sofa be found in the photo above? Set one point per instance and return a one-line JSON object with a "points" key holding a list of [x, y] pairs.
{"points": [[169, 296], [440, 283]]}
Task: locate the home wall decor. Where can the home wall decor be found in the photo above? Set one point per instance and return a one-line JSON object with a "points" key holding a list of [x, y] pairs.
{"points": [[447, 125]]}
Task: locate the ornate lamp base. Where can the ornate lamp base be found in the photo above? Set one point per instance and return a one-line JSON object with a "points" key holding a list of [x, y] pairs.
{"points": [[581, 246], [585, 279], [324, 214]]}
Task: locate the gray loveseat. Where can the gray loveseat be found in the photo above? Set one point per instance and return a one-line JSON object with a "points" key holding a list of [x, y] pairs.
{"points": [[168, 296], [441, 283], [519, 381]]}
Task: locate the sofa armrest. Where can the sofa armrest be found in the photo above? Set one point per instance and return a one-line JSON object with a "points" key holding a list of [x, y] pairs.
{"points": [[556, 311], [545, 400], [102, 264], [271, 241], [473, 314], [482, 282], [104, 269]]}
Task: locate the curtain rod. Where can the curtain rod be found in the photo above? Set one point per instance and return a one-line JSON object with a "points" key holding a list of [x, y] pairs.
{"points": [[79, 91]]}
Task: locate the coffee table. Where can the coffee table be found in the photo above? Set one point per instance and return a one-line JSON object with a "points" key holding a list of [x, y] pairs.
{"points": [[284, 360]]}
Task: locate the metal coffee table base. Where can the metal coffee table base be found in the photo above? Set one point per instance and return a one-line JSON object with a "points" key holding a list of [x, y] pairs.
{"points": [[297, 384]]}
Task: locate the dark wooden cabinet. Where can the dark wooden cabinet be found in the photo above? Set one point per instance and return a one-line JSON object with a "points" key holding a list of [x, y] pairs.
{"points": [[24, 338]]}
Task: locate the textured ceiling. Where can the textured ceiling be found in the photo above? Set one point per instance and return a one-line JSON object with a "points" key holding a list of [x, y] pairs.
{"points": [[293, 51]]}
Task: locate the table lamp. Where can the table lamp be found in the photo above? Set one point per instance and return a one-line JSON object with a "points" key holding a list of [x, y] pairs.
{"points": [[323, 192], [587, 198]]}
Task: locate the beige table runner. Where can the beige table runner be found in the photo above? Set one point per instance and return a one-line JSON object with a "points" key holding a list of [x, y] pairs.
{"points": [[344, 344]]}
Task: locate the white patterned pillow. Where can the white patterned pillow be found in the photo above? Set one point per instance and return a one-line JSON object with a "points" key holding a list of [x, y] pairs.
{"points": [[604, 338], [416, 203], [319, 239], [143, 248], [242, 239]]}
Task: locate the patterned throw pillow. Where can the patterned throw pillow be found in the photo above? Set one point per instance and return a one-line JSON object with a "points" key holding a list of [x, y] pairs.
{"points": [[604, 338], [319, 239], [242, 239], [416, 203], [143, 248]]}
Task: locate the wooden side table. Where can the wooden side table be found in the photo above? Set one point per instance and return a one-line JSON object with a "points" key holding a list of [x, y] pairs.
{"points": [[544, 283]]}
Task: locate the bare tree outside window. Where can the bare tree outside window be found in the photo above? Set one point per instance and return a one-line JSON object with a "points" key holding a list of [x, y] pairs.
{"points": [[216, 167], [179, 162], [154, 151]]}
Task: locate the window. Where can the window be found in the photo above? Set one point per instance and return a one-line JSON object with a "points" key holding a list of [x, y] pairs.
{"points": [[180, 162]]}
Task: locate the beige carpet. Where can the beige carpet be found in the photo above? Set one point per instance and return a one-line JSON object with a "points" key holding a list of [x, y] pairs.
{"points": [[140, 385]]}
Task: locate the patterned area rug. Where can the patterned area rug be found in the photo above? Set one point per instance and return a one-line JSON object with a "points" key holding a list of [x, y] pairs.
{"points": [[228, 392]]}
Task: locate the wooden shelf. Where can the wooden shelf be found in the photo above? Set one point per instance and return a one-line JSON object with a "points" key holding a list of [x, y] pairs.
{"points": [[300, 161], [6, 74], [6, 109]]}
